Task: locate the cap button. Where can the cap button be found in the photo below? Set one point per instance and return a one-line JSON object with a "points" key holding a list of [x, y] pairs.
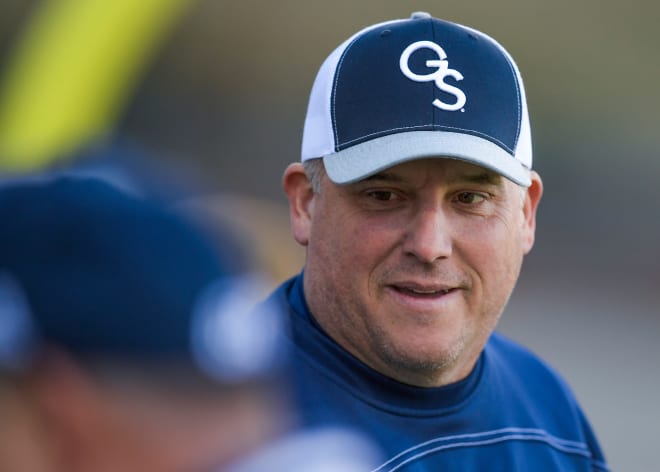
{"points": [[420, 15]]}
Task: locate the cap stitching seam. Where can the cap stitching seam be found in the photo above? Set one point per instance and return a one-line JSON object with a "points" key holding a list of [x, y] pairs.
{"points": [[518, 93], [466, 130], [357, 36], [518, 99], [516, 76], [334, 89]]}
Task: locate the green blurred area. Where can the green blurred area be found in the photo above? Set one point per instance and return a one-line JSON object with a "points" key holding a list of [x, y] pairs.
{"points": [[226, 95]]}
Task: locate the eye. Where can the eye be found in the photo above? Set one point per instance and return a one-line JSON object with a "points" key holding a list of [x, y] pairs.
{"points": [[382, 195], [470, 198]]}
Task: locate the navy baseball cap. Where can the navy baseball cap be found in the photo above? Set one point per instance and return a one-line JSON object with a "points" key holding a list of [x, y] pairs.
{"points": [[417, 88], [101, 273]]}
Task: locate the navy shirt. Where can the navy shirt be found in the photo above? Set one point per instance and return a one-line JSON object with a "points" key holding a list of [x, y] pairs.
{"points": [[512, 413]]}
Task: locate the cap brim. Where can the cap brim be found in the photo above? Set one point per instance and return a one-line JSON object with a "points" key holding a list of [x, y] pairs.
{"points": [[368, 158]]}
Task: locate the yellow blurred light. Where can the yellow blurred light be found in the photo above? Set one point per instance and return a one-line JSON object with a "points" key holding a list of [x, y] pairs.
{"points": [[72, 72]]}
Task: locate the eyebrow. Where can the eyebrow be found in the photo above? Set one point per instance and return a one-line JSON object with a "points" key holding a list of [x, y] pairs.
{"points": [[386, 176], [482, 178]]}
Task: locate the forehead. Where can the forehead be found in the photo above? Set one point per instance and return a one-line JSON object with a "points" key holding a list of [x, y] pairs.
{"points": [[440, 169]]}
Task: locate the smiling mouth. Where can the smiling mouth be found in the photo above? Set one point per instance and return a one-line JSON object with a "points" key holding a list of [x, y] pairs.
{"points": [[422, 292]]}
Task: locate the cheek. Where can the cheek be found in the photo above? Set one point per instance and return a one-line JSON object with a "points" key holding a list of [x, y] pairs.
{"points": [[351, 253], [499, 234], [359, 237], [494, 252]]}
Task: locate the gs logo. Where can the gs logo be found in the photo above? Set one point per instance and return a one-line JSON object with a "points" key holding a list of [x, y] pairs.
{"points": [[438, 76]]}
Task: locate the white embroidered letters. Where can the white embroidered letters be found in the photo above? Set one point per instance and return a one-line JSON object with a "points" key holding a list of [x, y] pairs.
{"points": [[438, 76]]}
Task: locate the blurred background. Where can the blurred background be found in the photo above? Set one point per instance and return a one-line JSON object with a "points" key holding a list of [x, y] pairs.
{"points": [[216, 94]]}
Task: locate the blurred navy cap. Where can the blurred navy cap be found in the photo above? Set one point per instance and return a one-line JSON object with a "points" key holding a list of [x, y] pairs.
{"points": [[97, 271]]}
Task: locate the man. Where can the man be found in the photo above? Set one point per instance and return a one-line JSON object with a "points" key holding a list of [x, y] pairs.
{"points": [[133, 341], [416, 203]]}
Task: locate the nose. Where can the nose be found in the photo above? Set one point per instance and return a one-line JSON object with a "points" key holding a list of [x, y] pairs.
{"points": [[428, 237]]}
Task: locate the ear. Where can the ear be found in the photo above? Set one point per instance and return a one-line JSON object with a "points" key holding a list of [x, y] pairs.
{"points": [[530, 205], [298, 189]]}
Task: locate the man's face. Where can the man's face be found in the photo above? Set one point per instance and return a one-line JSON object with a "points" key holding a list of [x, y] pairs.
{"points": [[409, 270]]}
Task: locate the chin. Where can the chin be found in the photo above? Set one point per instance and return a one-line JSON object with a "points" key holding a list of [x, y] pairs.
{"points": [[425, 362]]}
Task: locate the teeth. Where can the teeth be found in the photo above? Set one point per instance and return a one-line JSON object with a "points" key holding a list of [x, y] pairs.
{"points": [[429, 292]]}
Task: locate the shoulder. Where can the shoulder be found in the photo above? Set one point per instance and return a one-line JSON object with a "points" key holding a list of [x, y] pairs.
{"points": [[511, 359], [506, 351], [280, 294], [534, 389], [529, 381]]}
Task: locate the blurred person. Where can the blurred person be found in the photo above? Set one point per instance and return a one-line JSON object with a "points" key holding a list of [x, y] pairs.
{"points": [[130, 343], [416, 204]]}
